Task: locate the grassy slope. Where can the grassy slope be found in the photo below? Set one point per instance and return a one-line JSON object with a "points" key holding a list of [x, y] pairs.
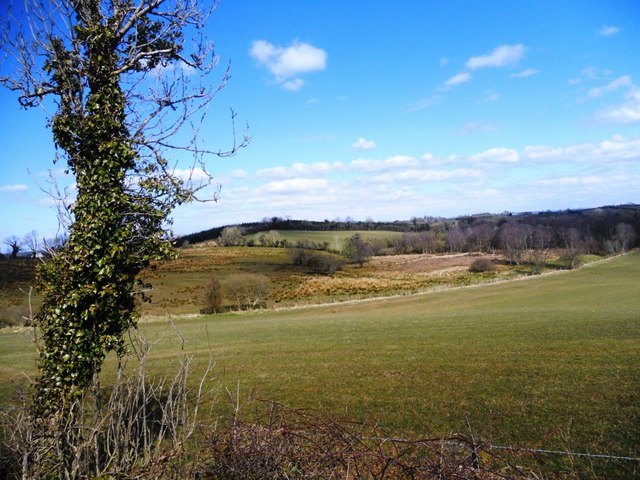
{"points": [[551, 361], [335, 239], [552, 355]]}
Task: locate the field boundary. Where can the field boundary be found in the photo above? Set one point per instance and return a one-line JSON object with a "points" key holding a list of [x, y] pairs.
{"points": [[474, 447]]}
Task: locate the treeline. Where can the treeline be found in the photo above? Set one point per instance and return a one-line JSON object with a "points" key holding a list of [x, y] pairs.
{"points": [[337, 225], [599, 230]]}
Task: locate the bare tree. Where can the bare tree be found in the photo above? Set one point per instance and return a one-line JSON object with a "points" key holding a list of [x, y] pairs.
{"points": [[570, 238], [430, 241], [455, 240], [625, 236], [32, 242], [479, 237], [15, 244], [515, 239], [541, 242]]}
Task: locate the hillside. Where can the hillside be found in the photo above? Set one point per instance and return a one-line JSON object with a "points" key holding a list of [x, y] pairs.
{"points": [[599, 221], [549, 362]]}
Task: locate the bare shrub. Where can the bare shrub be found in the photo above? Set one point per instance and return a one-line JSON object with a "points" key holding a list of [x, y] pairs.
{"points": [[213, 295], [571, 259], [147, 429], [290, 444], [248, 289], [11, 315], [299, 256], [480, 265], [140, 430]]}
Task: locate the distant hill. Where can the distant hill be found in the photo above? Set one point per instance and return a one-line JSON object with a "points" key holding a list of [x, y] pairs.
{"points": [[596, 222]]}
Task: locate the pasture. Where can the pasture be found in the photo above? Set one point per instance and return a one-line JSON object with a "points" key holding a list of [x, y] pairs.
{"points": [[333, 239], [549, 362]]}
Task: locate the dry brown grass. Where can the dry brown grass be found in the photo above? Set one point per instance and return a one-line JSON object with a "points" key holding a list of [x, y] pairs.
{"points": [[178, 285]]}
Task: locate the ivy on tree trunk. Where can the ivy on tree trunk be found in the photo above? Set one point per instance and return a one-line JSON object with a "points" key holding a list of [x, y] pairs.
{"points": [[98, 59]]}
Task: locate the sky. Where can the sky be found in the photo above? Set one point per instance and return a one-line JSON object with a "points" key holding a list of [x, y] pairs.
{"points": [[393, 110]]}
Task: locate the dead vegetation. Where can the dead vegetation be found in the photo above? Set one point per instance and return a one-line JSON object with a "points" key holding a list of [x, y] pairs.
{"points": [[149, 428], [294, 444], [179, 285]]}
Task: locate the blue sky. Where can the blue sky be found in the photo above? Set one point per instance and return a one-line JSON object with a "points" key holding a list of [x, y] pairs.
{"points": [[393, 110]]}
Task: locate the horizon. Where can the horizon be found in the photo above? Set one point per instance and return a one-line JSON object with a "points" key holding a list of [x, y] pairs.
{"points": [[427, 218], [437, 109]]}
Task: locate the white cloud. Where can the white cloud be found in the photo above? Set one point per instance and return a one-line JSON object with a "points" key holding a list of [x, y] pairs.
{"points": [[589, 74], [177, 69], [238, 173], [608, 30], [489, 97], [363, 144], [293, 85], [192, 174], [546, 152], [431, 160], [415, 175], [401, 186], [500, 57], [496, 155], [298, 169], [525, 73], [458, 79], [619, 148], [425, 103], [294, 185], [370, 165], [18, 187], [626, 113], [616, 149], [624, 81], [287, 63], [589, 180]]}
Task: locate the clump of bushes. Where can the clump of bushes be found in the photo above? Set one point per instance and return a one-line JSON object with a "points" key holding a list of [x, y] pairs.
{"points": [[244, 290], [248, 290], [480, 265], [320, 263], [356, 249], [325, 263], [571, 260]]}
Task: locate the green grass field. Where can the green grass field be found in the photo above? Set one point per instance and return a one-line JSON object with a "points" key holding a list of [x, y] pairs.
{"points": [[548, 362], [335, 239]]}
